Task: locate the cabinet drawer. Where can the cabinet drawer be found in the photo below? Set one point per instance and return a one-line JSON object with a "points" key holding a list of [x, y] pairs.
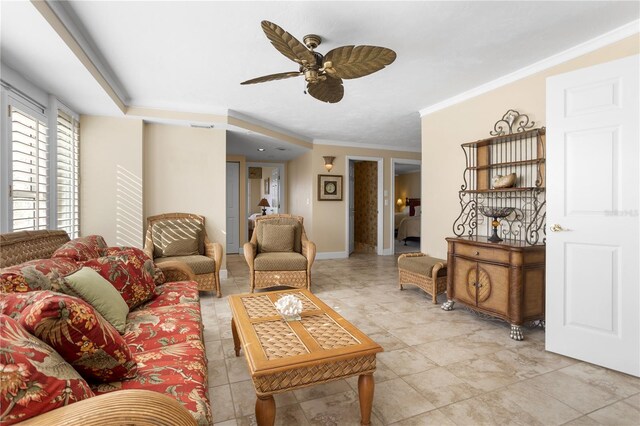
{"points": [[482, 253]]}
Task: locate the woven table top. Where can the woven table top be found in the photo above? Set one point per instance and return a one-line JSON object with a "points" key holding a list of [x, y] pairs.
{"points": [[270, 343]]}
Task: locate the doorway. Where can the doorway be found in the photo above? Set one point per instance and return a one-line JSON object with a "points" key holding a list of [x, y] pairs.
{"points": [[364, 209], [265, 192], [233, 207], [405, 207]]}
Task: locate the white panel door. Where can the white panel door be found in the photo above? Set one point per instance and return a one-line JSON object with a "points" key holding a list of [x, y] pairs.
{"points": [[593, 187], [352, 206], [233, 207]]}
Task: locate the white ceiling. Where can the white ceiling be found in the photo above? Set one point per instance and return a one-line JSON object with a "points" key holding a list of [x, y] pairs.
{"points": [[191, 56]]}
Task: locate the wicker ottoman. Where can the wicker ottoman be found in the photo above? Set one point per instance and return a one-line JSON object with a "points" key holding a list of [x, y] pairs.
{"points": [[428, 273]]}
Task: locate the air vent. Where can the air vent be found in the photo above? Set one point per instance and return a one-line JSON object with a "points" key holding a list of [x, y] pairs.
{"points": [[203, 126]]}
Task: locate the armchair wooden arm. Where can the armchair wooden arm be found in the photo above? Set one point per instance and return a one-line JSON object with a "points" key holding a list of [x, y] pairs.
{"points": [[176, 271], [214, 251], [250, 250], [309, 251], [124, 407], [148, 243]]}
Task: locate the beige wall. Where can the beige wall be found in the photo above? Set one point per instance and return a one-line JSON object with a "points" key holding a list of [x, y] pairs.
{"points": [[243, 195], [111, 179], [443, 132], [185, 171], [299, 189], [407, 186], [328, 225]]}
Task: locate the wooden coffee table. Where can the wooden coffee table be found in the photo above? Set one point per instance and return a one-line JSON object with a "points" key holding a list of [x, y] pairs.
{"points": [[287, 355]]}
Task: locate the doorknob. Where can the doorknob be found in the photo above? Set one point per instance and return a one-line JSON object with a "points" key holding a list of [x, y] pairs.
{"points": [[556, 228]]}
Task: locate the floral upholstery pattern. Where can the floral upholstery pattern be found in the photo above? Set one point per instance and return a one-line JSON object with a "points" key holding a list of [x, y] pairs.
{"points": [[41, 274], [13, 304], [34, 379], [149, 265], [80, 335], [170, 294], [178, 370], [82, 249], [128, 275], [153, 328]]}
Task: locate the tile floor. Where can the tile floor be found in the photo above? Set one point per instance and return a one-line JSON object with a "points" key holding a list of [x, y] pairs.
{"points": [[438, 368]]}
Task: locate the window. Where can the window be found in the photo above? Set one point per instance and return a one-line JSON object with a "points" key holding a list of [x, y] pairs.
{"points": [[67, 174], [29, 173]]}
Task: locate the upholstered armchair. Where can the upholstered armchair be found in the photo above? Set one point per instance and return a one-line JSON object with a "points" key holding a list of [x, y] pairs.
{"points": [[182, 237], [279, 253]]}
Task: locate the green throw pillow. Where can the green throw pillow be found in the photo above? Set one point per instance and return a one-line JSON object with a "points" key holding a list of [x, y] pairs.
{"points": [[89, 285]]}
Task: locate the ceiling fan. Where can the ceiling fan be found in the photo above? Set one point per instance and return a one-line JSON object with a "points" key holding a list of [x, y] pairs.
{"points": [[324, 73]]}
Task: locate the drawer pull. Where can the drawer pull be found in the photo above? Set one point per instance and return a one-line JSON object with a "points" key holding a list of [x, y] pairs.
{"points": [[477, 253]]}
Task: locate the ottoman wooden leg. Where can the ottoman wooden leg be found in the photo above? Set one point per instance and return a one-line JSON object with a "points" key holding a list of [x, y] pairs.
{"points": [[265, 411], [236, 339], [365, 393]]}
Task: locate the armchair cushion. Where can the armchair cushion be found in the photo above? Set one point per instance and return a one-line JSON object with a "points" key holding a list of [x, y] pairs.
{"points": [[290, 261], [198, 264], [35, 379], [88, 285], [297, 239], [177, 237], [80, 335], [277, 238]]}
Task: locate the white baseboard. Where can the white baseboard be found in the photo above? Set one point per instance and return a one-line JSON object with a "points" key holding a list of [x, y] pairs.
{"points": [[387, 251], [223, 274], [332, 255]]}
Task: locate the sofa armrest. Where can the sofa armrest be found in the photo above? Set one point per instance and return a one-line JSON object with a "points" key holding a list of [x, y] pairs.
{"points": [[124, 407], [176, 271], [309, 251]]}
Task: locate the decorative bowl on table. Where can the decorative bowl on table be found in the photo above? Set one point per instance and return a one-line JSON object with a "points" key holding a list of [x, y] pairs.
{"points": [[496, 213]]}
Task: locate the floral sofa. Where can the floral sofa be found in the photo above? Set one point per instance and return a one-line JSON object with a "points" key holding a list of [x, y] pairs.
{"points": [[61, 361]]}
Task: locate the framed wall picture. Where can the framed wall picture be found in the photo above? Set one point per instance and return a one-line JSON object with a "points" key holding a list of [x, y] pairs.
{"points": [[329, 187], [267, 185], [255, 172]]}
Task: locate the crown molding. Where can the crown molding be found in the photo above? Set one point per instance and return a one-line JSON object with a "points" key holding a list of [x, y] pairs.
{"points": [[366, 145], [589, 46], [68, 31]]}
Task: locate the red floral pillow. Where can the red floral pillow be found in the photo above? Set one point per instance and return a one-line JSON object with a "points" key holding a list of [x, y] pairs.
{"points": [[34, 378], [80, 335], [149, 265], [128, 276], [12, 304], [83, 248], [41, 274]]}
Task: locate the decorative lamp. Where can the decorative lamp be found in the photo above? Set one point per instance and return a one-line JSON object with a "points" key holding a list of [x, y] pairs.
{"points": [[328, 162], [399, 203], [264, 204]]}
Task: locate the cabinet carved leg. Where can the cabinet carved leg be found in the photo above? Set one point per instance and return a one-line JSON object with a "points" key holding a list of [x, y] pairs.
{"points": [[448, 305], [516, 332], [265, 411]]}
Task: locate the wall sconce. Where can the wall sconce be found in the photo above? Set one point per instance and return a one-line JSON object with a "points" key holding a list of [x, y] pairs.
{"points": [[264, 204], [328, 162], [399, 203]]}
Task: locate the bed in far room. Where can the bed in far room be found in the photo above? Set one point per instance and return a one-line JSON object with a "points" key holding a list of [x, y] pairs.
{"points": [[408, 226]]}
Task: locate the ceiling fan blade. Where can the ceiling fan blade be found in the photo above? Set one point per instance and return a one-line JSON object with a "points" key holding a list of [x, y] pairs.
{"points": [[272, 77], [357, 61], [287, 44], [330, 90]]}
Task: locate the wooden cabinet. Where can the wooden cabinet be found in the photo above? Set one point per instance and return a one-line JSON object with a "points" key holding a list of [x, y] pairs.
{"points": [[503, 280]]}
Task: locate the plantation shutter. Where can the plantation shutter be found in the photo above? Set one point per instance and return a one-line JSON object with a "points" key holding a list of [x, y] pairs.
{"points": [[29, 171], [67, 173]]}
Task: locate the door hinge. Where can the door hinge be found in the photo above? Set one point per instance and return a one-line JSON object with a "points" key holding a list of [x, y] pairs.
{"points": [[10, 191]]}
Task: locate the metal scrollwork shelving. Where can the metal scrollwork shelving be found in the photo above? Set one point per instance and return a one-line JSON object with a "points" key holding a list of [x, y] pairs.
{"points": [[515, 147]]}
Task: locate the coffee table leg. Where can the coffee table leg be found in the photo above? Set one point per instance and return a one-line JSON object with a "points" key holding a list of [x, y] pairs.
{"points": [[265, 411], [365, 392], [236, 339]]}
